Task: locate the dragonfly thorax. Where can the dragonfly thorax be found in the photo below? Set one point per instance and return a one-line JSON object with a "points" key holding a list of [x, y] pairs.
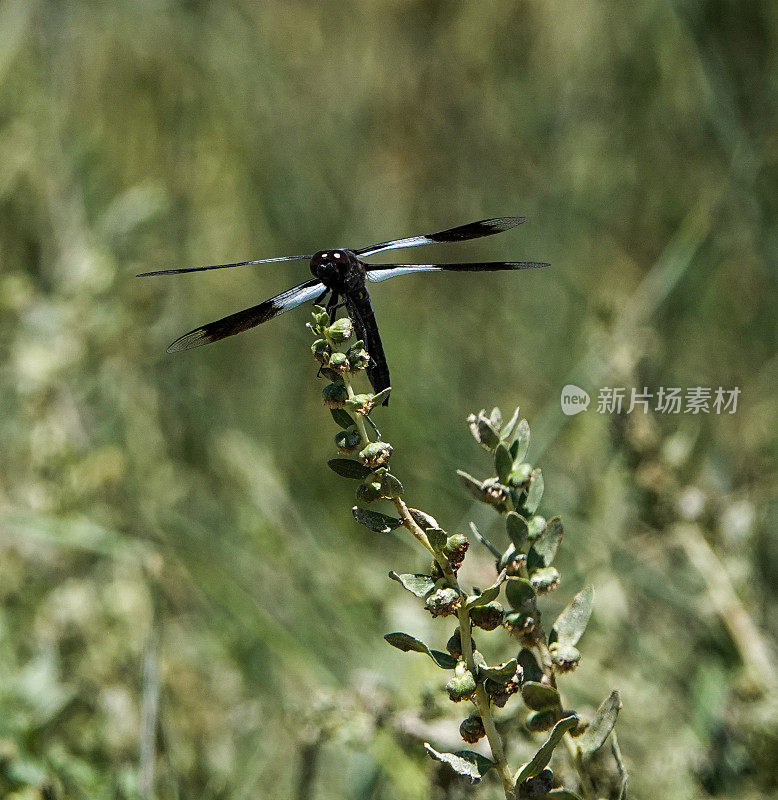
{"points": [[339, 270]]}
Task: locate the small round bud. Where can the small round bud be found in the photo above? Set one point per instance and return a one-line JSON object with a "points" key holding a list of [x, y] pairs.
{"points": [[516, 565], [538, 786], [487, 617], [348, 441], [358, 357], [520, 474], [321, 351], [500, 693], [368, 492], [455, 549], [375, 454], [454, 644], [341, 330], [545, 579], [462, 686], [472, 729], [494, 492], [335, 395], [566, 657], [339, 363], [539, 721], [520, 623], [443, 602], [361, 404]]}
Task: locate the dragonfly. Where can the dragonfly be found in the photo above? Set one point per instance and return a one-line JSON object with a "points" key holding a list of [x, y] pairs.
{"points": [[340, 276]]}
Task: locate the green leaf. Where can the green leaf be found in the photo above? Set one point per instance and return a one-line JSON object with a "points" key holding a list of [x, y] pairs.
{"points": [[420, 585], [593, 738], [483, 431], [502, 674], [391, 487], [423, 520], [522, 441], [486, 596], [503, 462], [517, 529], [349, 468], [375, 521], [507, 432], [518, 591], [535, 491], [529, 665], [408, 643], [341, 417], [542, 552], [539, 696], [496, 418], [540, 760], [571, 623], [464, 762], [437, 538], [381, 396], [475, 487]]}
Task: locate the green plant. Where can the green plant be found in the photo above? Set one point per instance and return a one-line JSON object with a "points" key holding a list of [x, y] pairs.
{"points": [[524, 571]]}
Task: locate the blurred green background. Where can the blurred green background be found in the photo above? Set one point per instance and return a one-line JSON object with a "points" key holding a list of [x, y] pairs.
{"points": [[189, 609]]}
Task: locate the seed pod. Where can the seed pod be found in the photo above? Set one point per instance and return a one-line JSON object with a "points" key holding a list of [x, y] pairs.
{"points": [[472, 729], [321, 351], [358, 357], [455, 549], [566, 657], [500, 693], [462, 686], [545, 580], [341, 330], [487, 617], [335, 395], [443, 602], [520, 623], [376, 454], [339, 363], [520, 474]]}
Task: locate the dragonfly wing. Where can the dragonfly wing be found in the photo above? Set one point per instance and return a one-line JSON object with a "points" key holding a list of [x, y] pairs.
{"points": [[382, 272], [248, 318], [472, 230], [180, 270]]}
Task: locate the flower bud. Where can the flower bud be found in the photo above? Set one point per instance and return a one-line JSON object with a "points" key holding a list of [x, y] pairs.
{"points": [[358, 357], [520, 623], [455, 548], [348, 441], [487, 617], [462, 686], [538, 786], [339, 363], [566, 657], [500, 693], [472, 729], [443, 602], [321, 351], [545, 579], [335, 395], [341, 330], [375, 454]]}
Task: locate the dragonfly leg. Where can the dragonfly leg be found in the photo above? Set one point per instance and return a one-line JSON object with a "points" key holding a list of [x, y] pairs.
{"points": [[332, 306]]}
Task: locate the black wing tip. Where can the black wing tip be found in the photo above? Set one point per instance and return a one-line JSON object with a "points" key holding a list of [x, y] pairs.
{"points": [[189, 340]]}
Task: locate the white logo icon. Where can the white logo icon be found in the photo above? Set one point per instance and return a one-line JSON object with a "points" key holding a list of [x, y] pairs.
{"points": [[574, 400]]}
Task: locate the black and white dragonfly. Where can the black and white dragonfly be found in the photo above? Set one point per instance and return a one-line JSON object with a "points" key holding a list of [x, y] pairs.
{"points": [[342, 275]]}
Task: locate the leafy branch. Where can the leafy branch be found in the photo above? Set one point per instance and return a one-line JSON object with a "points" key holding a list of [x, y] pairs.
{"points": [[524, 571]]}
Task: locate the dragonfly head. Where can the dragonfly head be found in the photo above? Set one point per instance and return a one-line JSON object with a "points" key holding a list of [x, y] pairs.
{"points": [[331, 267]]}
